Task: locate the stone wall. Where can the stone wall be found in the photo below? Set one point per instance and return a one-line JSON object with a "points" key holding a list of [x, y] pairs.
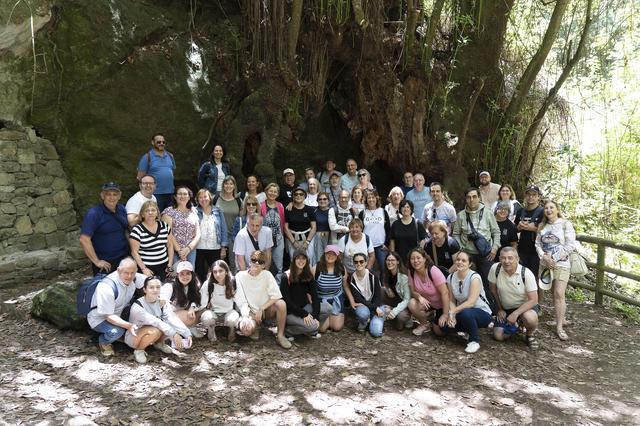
{"points": [[38, 223]]}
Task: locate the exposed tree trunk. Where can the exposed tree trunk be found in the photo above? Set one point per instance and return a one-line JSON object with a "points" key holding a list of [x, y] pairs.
{"points": [[465, 127], [434, 22], [410, 33], [536, 63], [294, 30], [358, 12], [553, 93]]}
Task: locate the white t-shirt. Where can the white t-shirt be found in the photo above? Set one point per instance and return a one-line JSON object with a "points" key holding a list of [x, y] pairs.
{"points": [[134, 204], [374, 225], [221, 177], [511, 290], [253, 292], [104, 301], [444, 212], [350, 248], [242, 246], [218, 303]]}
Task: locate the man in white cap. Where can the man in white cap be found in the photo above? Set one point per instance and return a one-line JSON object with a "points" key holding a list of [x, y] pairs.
{"points": [[488, 190], [287, 186]]}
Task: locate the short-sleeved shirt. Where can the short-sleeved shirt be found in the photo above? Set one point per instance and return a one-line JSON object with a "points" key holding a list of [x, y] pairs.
{"points": [[134, 204], [527, 241], [299, 220], [243, 246], [347, 182], [419, 199], [350, 247], [444, 253], [511, 290], [407, 237], [430, 289], [104, 301], [444, 212], [230, 210], [183, 224], [153, 246], [256, 291], [508, 235], [107, 231], [161, 168]]}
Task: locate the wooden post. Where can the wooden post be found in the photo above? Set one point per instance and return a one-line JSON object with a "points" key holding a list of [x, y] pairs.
{"points": [[600, 272]]}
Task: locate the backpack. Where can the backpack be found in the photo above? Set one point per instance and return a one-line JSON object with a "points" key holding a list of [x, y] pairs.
{"points": [[149, 160], [346, 239], [216, 197], [522, 271], [87, 289]]}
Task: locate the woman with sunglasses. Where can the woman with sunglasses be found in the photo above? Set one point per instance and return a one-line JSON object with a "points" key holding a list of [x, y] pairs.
{"points": [[258, 297], [364, 180], [300, 226], [250, 206], [429, 293], [323, 231], [364, 294], [331, 278], [468, 306], [182, 218], [156, 323], [273, 213]]}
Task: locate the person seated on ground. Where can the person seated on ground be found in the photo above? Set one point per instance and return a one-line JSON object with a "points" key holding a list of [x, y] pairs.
{"points": [[508, 231], [331, 279], [515, 290], [155, 322], [339, 217], [216, 301], [429, 293], [182, 218], [507, 195], [105, 318], [395, 292], [152, 243], [355, 242], [325, 175], [299, 290], [442, 248], [103, 233], [213, 171], [258, 298], [393, 207], [309, 173], [213, 242], [439, 208], [406, 233], [147, 185], [376, 226], [333, 189], [253, 186], [184, 295], [365, 298], [300, 225], [364, 180], [468, 306], [357, 200]]}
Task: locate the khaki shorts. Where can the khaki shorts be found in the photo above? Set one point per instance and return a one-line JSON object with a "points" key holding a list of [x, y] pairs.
{"points": [[560, 274]]}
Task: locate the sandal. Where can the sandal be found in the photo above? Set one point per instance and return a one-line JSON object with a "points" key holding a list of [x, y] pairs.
{"points": [[562, 335], [421, 329], [533, 343]]}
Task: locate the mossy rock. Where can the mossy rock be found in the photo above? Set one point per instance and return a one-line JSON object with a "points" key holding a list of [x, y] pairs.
{"points": [[57, 304]]}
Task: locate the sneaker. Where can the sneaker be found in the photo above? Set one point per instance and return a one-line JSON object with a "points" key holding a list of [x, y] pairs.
{"points": [[409, 324], [140, 356], [421, 329], [196, 333], [163, 347], [472, 347], [284, 342], [316, 336], [211, 333], [106, 350]]}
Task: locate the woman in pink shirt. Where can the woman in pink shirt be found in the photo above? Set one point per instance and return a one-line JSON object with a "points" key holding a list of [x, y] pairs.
{"points": [[429, 292]]}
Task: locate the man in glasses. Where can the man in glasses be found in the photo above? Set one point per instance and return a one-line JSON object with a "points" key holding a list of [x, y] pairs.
{"points": [[350, 179], [339, 217], [159, 163], [147, 185], [407, 182], [251, 238], [334, 189], [515, 291], [439, 208], [103, 235], [419, 195], [325, 175]]}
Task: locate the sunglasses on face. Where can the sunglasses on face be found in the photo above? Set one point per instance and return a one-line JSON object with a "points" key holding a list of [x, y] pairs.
{"points": [[298, 194], [323, 199], [257, 261], [362, 174], [160, 142], [358, 262], [251, 204]]}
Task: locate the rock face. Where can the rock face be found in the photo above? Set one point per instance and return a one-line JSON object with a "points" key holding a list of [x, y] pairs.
{"points": [[57, 305]]}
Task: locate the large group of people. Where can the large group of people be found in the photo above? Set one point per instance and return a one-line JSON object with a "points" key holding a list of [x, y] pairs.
{"points": [[298, 256]]}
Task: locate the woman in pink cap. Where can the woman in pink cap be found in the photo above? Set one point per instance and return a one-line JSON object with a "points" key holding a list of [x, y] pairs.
{"points": [[331, 278], [184, 295]]}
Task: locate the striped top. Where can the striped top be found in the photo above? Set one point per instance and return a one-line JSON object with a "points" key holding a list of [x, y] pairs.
{"points": [[153, 247], [329, 285]]}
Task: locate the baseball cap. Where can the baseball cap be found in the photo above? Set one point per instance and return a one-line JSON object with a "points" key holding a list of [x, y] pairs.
{"points": [[546, 279], [184, 266], [110, 186], [287, 171], [484, 172], [335, 173], [331, 248], [534, 188], [298, 189]]}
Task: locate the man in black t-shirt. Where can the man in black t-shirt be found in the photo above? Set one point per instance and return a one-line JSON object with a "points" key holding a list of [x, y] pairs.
{"points": [[527, 223], [287, 187]]}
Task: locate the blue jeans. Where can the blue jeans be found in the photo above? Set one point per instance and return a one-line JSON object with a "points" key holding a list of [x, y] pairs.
{"points": [[469, 321], [277, 255], [363, 314], [380, 254], [109, 333]]}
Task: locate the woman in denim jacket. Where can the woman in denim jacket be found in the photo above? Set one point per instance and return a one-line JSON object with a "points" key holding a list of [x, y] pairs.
{"points": [[213, 243]]}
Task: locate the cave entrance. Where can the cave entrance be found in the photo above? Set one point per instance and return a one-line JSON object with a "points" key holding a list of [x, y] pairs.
{"points": [[250, 154], [384, 177]]}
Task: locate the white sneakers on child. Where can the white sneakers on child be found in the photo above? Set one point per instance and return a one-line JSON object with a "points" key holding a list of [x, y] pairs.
{"points": [[472, 347], [140, 356]]}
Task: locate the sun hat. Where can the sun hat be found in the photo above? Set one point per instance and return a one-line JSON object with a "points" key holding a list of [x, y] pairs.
{"points": [[546, 279]]}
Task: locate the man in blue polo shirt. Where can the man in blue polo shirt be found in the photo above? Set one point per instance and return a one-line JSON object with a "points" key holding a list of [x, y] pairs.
{"points": [[159, 163], [103, 235]]}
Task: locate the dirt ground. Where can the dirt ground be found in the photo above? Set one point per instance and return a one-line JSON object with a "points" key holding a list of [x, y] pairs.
{"points": [[53, 377]]}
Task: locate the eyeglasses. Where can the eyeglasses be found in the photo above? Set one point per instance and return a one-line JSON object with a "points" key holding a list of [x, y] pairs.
{"points": [[323, 199], [251, 204], [362, 174], [358, 262], [160, 142], [257, 261], [147, 183], [460, 286]]}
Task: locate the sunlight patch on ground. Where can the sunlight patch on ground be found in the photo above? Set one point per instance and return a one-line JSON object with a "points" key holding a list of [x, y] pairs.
{"points": [[45, 393], [343, 362], [217, 385], [577, 350]]}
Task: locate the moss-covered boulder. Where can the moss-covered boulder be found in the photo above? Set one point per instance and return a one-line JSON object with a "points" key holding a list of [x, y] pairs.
{"points": [[57, 304]]}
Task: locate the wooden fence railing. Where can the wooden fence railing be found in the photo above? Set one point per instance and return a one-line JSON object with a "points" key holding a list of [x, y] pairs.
{"points": [[601, 267]]}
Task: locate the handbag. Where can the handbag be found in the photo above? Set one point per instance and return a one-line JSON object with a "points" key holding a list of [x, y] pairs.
{"points": [[578, 264], [479, 241]]}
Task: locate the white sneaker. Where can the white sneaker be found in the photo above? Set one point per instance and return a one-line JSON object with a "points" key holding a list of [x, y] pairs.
{"points": [[316, 336], [472, 347], [196, 333], [211, 333], [409, 324], [140, 356], [163, 347]]}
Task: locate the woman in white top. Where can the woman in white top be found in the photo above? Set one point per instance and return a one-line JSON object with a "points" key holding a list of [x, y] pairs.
{"points": [[183, 293], [393, 208], [555, 241], [213, 234], [357, 200], [376, 226], [312, 193], [506, 193], [254, 187], [216, 299], [468, 307], [155, 322]]}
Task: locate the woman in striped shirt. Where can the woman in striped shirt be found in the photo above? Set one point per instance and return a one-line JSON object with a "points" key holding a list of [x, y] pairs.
{"points": [[151, 242], [332, 280]]}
